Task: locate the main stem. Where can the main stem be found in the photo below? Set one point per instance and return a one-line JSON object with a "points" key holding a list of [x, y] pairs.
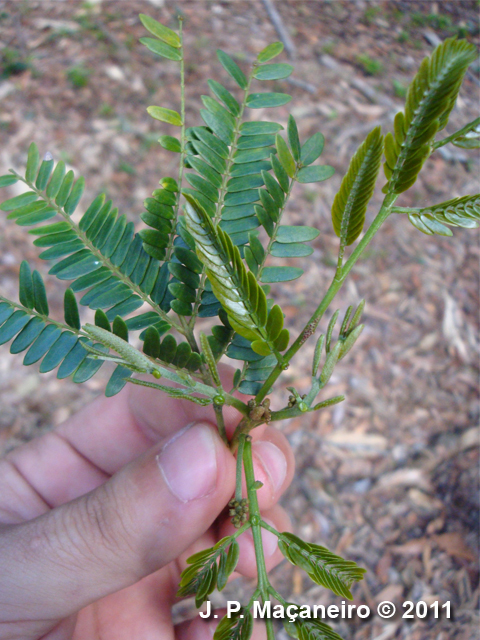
{"points": [[255, 520]]}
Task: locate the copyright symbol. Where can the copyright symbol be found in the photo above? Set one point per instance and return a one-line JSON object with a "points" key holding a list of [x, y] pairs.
{"points": [[386, 609]]}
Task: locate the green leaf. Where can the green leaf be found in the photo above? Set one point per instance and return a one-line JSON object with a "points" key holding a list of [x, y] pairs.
{"points": [[356, 190], [232, 558], [225, 96], [315, 173], [74, 197], [5, 311], [26, 293], [160, 31], [56, 180], [18, 201], [312, 149], [73, 360], [44, 172], [27, 335], [72, 317], [234, 287], [151, 342], [119, 328], [232, 69], [350, 340], [324, 567], [117, 381], [170, 143], [256, 141], [33, 162], [274, 322], [219, 125], [101, 320], [285, 157], [165, 115], [317, 355], [273, 72], [267, 100], [42, 344], [290, 250], [330, 363], [431, 97], [58, 351], [13, 325], [270, 51], [293, 138], [257, 128], [461, 212], [161, 49], [274, 189], [243, 156], [216, 145], [280, 274], [41, 303], [7, 180], [288, 233], [280, 173], [65, 188]]}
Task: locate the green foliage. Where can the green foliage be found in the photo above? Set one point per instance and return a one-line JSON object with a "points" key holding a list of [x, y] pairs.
{"points": [[324, 567], [350, 203], [430, 99], [236, 288], [205, 251], [458, 212]]}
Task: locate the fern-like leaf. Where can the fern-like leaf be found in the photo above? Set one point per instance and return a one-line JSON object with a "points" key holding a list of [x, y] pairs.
{"points": [[236, 288], [431, 97], [350, 203], [457, 212], [323, 566]]}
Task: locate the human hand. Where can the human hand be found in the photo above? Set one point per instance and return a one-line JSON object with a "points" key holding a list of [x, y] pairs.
{"points": [[98, 517]]}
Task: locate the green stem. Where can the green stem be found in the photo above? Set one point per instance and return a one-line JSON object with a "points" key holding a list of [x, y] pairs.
{"points": [[466, 129], [238, 477], [255, 520], [334, 288], [218, 408]]}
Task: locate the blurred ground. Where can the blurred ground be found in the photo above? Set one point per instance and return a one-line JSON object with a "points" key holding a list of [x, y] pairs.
{"points": [[390, 477]]}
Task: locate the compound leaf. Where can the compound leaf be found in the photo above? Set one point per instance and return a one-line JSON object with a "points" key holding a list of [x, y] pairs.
{"points": [[350, 203]]}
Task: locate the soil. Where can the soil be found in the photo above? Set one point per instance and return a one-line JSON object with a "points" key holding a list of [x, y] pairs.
{"points": [[389, 478]]}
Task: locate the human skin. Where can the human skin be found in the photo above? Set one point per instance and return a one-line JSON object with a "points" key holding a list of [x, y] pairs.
{"points": [[98, 516]]}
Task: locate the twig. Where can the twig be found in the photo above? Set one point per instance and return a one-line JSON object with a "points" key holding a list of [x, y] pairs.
{"points": [[279, 27]]}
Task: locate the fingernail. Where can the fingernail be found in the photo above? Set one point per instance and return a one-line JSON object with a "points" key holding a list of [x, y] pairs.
{"points": [[273, 461], [188, 463], [270, 541]]}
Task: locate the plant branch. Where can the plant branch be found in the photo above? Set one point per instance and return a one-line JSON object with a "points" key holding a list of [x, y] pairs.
{"points": [[255, 520], [100, 257], [334, 288]]}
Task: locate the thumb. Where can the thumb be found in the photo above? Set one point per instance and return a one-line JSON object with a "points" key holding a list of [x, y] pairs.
{"points": [[138, 521]]}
